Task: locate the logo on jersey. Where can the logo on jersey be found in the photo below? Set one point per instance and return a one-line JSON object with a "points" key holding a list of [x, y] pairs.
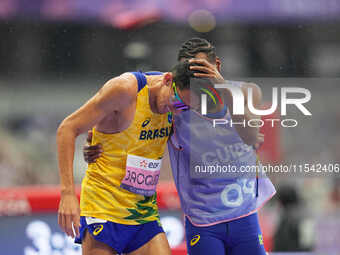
{"points": [[195, 240], [143, 164], [98, 230], [146, 164], [159, 222], [146, 122], [261, 239], [170, 117]]}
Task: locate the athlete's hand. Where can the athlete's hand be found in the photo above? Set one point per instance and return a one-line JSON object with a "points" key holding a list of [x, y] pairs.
{"points": [[260, 141], [210, 70], [69, 214], [91, 152]]}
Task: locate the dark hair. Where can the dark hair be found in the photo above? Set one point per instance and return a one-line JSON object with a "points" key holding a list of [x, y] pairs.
{"points": [[196, 45], [184, 78], [182, 75]]}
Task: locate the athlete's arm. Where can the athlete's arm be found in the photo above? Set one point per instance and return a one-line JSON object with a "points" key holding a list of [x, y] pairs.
{"points": [[249, 134], [115, 95]]}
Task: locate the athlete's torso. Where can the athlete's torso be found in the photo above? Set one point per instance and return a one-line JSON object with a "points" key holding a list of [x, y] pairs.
{"points": [[118, 121], [136, 148]]}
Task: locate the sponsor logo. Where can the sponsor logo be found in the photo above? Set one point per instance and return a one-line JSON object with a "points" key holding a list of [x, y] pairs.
{"points": [[98, 230], [146, 122], [195, 240], [153, 165], [261, 239], [170, 117], [143, 163]]}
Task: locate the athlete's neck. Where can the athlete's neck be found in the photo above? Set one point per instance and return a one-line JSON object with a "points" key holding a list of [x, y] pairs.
{"points": [[154, 83]]}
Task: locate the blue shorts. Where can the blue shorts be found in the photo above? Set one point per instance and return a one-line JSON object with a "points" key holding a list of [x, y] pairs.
{"points": [[122, 238], [237, 237]]}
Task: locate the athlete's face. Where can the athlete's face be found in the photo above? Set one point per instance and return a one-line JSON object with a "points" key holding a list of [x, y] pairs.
{"points": [[165, 102], [171, 98]]}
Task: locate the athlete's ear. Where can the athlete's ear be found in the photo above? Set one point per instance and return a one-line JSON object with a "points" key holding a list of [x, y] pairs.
{"points": [[218, 64], [167, 79]]}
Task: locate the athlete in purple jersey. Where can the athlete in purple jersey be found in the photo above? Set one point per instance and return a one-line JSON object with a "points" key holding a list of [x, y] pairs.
{"points": [[221, 211]]}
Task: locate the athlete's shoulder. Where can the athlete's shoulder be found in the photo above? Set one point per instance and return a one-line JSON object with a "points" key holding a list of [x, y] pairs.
{"points": [[255, 90], [124, 86], [251, 85], [245, 87], [125, 83], [243, 84], [117, 92]]}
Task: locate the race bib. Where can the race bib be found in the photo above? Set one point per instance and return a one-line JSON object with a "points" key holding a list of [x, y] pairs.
{"points": [[141, 175]]}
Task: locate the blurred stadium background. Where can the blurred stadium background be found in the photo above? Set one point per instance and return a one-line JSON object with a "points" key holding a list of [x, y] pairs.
{"points": [[55, 54]]}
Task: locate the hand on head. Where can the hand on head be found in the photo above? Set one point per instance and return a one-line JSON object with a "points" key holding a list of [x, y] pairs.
{"points": [[206, 70]]}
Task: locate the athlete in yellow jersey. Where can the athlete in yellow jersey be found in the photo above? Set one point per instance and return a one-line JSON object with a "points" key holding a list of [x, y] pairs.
{"points": [[130, 116], [129, 168]]}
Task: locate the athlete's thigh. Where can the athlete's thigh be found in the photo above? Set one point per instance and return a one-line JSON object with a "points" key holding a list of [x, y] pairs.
{"points": [[205, 240], [246, 236], [158, 245], [91, 246], [204, 244], [253, 247]]}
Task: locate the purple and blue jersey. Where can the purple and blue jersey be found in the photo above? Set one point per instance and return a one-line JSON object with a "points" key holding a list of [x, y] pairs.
{"points": [[209, 165]]}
